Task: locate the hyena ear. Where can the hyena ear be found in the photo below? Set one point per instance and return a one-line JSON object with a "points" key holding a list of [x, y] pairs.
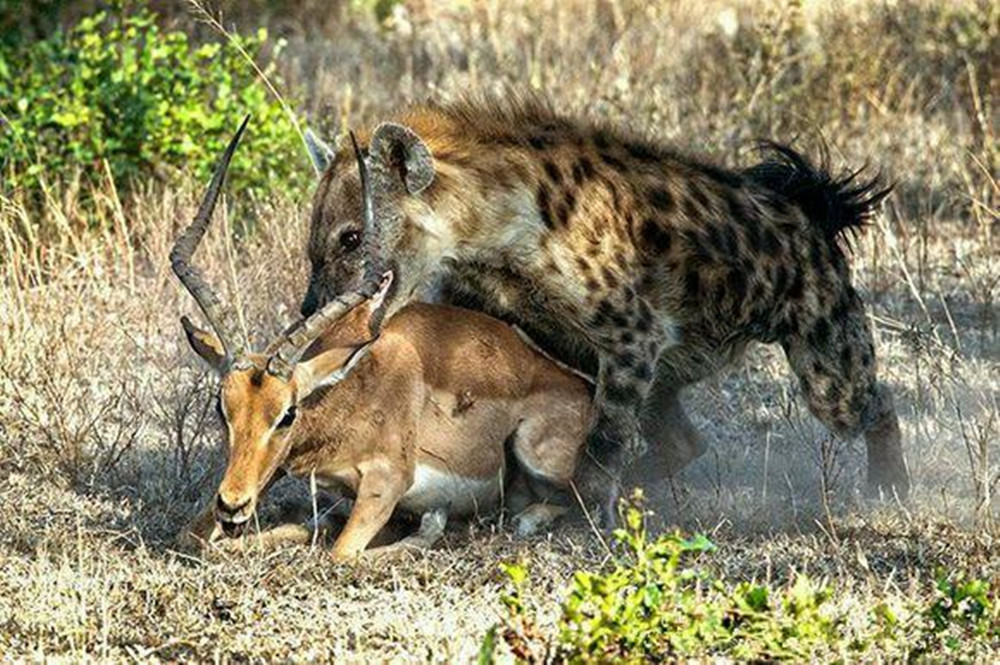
{"points": [[321, 153], [205, 344], [400, 148]]}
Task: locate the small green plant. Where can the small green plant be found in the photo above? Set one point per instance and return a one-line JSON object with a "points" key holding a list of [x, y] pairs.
{"points": [[118, 95], [657, 602]]}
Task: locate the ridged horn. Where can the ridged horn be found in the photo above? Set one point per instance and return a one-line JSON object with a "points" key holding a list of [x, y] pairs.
{"points": [[297, 339], [221, 318]]}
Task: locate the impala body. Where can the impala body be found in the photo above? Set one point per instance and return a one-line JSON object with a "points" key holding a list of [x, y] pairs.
{"points": [[437, 412]]}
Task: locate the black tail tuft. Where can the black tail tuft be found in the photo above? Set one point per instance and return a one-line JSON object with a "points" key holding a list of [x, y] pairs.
{"points": [[835, 204]]}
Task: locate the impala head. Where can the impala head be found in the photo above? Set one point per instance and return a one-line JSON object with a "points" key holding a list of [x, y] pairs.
{"points": [[370, 214], [260, 393]]}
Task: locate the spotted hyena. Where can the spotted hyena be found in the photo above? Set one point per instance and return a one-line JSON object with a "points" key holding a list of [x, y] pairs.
{"points": [[622, 256]]}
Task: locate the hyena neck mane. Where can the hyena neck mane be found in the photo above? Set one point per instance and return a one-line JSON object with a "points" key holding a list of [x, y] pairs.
{"points": [[510, 174]]}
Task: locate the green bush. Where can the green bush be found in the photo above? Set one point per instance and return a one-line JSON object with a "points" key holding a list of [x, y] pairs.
{"points": [[656, 603], [117, 89]]}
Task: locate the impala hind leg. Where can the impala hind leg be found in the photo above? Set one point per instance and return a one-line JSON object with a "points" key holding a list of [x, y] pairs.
{"points": [[834, 359], [546, 449]]}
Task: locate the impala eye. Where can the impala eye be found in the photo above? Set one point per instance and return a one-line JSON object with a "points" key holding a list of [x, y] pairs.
{"points": [[350, 240], [288, 418]]}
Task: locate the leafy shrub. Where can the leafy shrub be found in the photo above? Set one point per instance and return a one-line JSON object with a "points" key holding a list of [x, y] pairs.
{"points": [[118, 89], [656, 603]]}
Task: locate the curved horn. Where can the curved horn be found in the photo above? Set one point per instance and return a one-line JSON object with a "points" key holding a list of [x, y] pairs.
{"points": [[367, 209], [294, 342], [219, 317]]}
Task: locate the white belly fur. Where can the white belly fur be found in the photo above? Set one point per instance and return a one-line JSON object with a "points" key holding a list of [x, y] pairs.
{"points": [[433, 488]]}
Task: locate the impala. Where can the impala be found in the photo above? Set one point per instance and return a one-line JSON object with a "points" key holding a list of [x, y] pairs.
{"points": [[438, 411]]}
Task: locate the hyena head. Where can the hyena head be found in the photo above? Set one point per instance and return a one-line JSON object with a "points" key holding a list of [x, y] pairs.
{"points": [[370, 215]]}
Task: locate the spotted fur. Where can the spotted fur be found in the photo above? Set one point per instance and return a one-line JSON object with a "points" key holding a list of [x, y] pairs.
{"points": [[625, 258]]}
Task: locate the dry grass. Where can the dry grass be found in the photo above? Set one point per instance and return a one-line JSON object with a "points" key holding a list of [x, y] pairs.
{"points": [[108, 441]]}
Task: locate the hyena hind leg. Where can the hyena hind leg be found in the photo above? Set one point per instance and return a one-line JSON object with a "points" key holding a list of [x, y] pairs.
{"points": [[834, 359], [666, 426]]}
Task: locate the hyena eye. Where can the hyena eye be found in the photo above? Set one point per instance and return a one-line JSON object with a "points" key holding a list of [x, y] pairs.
{"points": [[288, 418], [350, 240]]}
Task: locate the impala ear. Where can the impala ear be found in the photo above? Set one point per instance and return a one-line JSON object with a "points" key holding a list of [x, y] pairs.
{"points": [[321, 153], [400, 150], [205, 344]]}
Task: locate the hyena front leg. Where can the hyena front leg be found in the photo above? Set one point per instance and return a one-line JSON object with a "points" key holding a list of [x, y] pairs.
{"points": [[834, 358], [623, 383]]}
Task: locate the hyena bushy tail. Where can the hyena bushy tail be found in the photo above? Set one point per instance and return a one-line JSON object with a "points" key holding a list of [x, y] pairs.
{"points": [[828, 341]]}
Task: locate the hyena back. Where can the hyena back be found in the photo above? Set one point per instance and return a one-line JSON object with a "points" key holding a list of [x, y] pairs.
{"points": [[622, 257]]}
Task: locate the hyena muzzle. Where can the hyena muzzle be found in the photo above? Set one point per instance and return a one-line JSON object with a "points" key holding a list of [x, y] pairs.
{"points": [[623, 258]]}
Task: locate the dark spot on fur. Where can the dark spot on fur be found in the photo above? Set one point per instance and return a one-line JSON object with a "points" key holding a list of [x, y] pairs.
{"points": [[661, 199], [582, 264], [643, 372], [816, 256], [257, 378], [654, 236], [613, 161], [692, 286], [700, 196], [621, 394], [645, 317], [846, 359], [570, 199], [643, 152], [610, 279], [583, 170], [797, 289], [601, 139], [553, 172], [691, 210], [770, 244], [542, 200], [625, 359], [626, 338], [820, 334], [715, 238], [780, 281], [751, 226], [592, 284], [842, 307], [562, 214], [538, 142], [737, 285], [701, 251], [731, 241]]}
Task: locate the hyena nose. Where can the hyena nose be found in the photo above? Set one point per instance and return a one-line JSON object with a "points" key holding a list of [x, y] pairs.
{"points": [[227, 511], [311, 302]]}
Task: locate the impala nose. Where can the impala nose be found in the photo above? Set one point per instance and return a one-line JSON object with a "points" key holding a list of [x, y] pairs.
{"points": [[230, 512]]}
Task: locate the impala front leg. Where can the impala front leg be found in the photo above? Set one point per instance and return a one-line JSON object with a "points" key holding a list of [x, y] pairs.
{"points": [[379, 491]]}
